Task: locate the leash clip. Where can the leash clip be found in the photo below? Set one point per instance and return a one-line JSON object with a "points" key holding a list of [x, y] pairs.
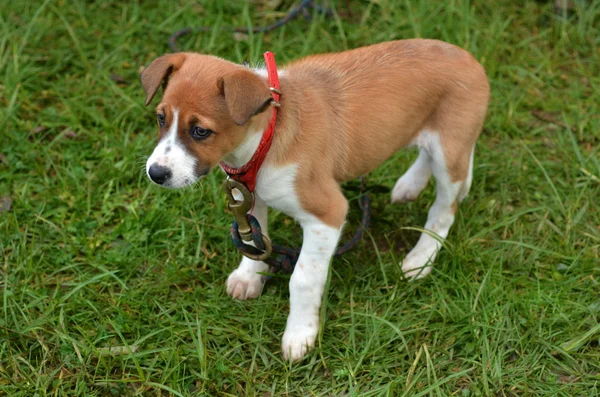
{"points": [[240, 209]]}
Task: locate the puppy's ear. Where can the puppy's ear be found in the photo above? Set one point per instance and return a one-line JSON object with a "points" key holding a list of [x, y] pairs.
{"points": [[158, 71], [245, 94]]}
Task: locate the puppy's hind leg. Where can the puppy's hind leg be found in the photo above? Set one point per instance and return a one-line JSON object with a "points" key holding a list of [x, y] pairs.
{"points": [[412, 183], [418, 262], [466, 186]]}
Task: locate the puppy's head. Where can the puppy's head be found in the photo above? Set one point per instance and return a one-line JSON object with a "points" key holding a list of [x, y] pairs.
{"points": [[209, 108]]}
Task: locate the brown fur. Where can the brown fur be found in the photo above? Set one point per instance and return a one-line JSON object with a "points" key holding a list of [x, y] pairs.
{"points": [[159, 72], [342, 114], [245, 93]]}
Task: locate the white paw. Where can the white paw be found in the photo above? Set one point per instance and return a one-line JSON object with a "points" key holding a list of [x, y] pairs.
{"points": [[244, 284], [406, 189], [299, 340], [418, 264]]}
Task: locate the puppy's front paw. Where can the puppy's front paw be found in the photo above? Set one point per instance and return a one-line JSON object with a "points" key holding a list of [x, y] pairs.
{"points": [[299, 339], [244, 284]]}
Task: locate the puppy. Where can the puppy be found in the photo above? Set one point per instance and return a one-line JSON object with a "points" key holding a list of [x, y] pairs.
{"points": [[340, 116]]}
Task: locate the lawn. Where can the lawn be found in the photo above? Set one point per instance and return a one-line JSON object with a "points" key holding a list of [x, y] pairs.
{"points": [[111, 286]]}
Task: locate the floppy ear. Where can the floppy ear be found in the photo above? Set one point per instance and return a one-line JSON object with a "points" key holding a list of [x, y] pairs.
{"points": [[245, 94], [159, 70]]}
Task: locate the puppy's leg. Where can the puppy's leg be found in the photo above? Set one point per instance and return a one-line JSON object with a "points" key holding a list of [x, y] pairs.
{"points": [[466, 186], [245, 282], [307, 283], [414, 180], [418, 262]]}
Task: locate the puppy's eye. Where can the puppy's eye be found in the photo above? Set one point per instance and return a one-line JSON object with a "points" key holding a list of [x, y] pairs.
{"points": [[200, 133], [161, 119]]}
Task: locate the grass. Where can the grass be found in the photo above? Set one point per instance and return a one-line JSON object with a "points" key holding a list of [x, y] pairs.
{"points": [[111, 286]]}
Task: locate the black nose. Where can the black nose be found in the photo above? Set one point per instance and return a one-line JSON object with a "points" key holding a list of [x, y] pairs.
{"points": [[158, 173]]}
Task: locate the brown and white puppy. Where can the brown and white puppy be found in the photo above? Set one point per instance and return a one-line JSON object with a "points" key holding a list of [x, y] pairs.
{"points": [[341, 115]]}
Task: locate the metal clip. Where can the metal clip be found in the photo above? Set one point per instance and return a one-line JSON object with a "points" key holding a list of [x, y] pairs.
{"points": [[240, 208]]}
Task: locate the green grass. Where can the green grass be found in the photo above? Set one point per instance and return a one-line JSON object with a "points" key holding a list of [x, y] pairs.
{"points": [[111, 286]]}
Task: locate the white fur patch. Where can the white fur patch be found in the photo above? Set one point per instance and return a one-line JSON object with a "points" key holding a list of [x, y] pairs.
{"points": [[306, 288], [410, 185], [172, 154], [276, 186], [243, 153], [418, 262]]}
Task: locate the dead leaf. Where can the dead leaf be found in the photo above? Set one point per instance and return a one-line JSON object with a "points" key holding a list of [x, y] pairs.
{"points": [[118, 79], [267, 4], [238, 36], [208, 254], [38, 129], [70, 134], [117, 350], [5, 204], [550, 118], [565, 378], [564, 4]]}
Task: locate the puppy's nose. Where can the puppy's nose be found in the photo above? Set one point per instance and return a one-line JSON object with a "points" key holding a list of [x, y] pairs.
{"points": [[159, 174]]}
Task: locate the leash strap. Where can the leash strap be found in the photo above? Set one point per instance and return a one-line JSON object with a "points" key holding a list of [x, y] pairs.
{"points": [[303, 7]]}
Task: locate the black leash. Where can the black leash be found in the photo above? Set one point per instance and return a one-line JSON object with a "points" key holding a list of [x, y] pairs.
{"points": [[303, 7]]}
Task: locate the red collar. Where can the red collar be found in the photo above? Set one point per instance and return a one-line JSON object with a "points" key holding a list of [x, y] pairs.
{"points": [[247, 174]]}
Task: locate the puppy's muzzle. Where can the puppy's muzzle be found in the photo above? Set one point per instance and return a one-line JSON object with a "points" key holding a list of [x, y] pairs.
{"points": [[159, 174]]}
